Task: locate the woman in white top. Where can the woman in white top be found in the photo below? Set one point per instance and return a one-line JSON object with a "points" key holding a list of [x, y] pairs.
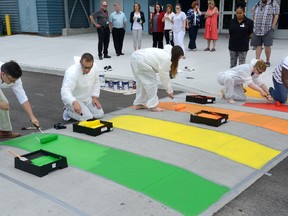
{"points": [[248, 74], [137, 19], [168, 24], [179, 26], [145, 63]]}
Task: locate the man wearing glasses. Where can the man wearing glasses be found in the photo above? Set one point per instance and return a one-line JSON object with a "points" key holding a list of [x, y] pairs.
{"points": [[80, 90], [100, 19], [10, 77]]}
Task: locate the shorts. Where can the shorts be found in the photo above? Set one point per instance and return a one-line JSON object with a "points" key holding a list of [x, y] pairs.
{"points": [[267, 39]]}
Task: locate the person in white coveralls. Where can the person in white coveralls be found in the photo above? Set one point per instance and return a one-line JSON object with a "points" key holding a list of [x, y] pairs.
{"points": [[145, 63], [80, 90], [248, 74]]}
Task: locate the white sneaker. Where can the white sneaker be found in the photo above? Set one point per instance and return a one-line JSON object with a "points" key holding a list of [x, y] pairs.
{"points": [[66, 117]]}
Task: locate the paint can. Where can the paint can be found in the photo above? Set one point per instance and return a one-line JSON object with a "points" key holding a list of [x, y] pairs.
{"points": [[125, 85], [101, 78], [115, 84], [107, 84]]}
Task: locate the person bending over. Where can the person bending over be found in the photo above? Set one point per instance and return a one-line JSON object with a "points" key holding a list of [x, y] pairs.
{"points": [[145, 63], [248, 74], [11, 78]]}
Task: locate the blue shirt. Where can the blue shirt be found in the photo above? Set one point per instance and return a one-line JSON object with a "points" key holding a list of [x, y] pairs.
{"points": [[117, 19]]}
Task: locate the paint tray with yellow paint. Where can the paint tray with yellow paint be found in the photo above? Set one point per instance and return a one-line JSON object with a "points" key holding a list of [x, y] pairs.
{"points": [[209, 118], [92, 127], [201, 99], [40, 162]]}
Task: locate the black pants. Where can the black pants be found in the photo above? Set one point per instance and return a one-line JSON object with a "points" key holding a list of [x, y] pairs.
{"points": [[167, 37], [192, 36], [118, 38], [103, 39], [158, 39]]}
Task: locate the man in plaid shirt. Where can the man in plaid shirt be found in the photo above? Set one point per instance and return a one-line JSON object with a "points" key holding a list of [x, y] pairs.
{"points": [[265, 16]]}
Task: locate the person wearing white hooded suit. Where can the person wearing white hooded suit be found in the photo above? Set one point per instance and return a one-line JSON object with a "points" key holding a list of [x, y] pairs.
{"points": [[247, 74], [81, 89], [145, 63]]}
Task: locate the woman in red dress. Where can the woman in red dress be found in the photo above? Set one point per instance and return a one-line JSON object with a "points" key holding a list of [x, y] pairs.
{"points": [[211, 29]]}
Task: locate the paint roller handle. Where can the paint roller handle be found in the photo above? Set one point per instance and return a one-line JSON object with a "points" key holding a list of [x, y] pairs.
{"points": [[38, 127], [13, 153]]}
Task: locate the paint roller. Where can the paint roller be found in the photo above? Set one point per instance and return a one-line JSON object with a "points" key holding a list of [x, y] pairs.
{"points": [[45, 138], [182, 107]]}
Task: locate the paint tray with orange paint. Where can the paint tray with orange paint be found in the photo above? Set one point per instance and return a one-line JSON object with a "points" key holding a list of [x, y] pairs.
{"points": [[201, 99], [92, 127], [209, 118]]}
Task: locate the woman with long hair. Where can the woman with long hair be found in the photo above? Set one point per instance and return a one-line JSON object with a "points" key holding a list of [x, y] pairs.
{"points": [[157, 26], [211, 26], [145, 63], [137, 19]]}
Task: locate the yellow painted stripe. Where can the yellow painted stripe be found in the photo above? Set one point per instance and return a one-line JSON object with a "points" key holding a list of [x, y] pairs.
{"points": [[235, 148]]}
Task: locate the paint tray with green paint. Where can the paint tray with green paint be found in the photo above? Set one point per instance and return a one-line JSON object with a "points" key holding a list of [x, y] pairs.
{"points": [[92, 127], [41, 162]]}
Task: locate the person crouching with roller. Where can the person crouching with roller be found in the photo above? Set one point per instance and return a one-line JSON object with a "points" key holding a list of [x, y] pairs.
{"points": [[248, 74], [145, 63]]}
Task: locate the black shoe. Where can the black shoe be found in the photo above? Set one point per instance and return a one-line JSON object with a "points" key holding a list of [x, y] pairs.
{"points": [[100, 58], [122, 54], [118, 54], [107, 56]]}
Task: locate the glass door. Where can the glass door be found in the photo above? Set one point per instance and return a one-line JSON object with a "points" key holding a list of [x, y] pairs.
{"points": [[226, 13]]}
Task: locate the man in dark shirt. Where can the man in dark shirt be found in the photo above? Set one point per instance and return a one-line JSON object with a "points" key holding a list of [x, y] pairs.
{"points": [[101, 21]]}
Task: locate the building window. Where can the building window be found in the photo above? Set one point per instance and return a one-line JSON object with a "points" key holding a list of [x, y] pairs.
{"points": [[283, 18]]}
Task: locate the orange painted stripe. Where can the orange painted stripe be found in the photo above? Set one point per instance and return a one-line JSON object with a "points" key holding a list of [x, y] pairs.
{"points": [[268, 122]]}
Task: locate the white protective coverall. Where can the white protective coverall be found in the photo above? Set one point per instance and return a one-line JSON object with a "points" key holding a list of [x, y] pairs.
{"points": [[145, 63], [80, 87], [234, 78], [17, 87]]}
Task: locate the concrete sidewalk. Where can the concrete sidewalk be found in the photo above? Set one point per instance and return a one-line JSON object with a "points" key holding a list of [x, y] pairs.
{"points": [[53, 55], [78, 192]]}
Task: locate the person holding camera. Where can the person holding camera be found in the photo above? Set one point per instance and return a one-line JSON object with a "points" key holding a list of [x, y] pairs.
{"points": [[137, 19]]}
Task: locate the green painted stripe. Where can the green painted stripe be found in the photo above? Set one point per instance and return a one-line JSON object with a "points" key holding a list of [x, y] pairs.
{"points": [[175, 187]]}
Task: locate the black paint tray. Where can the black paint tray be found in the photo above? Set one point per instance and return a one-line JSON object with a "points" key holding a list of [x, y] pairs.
{"points": [[41, 162], [106, 127], [201, 99], [223, 118]]}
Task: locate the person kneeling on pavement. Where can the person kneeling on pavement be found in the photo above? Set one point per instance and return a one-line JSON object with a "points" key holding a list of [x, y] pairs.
{"points": [[10, 77], [248, 74], [280, 81], [80, 90]]}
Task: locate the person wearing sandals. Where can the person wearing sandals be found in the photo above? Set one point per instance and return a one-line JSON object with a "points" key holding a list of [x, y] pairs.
{"points": [[265, 16], [240, 30], [193, 24], [145, 63], [248, 74], [211, 29]]}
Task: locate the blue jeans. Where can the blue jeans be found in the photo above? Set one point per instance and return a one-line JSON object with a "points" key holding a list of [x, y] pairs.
{"points": [[279, 93], [192, 37]]}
